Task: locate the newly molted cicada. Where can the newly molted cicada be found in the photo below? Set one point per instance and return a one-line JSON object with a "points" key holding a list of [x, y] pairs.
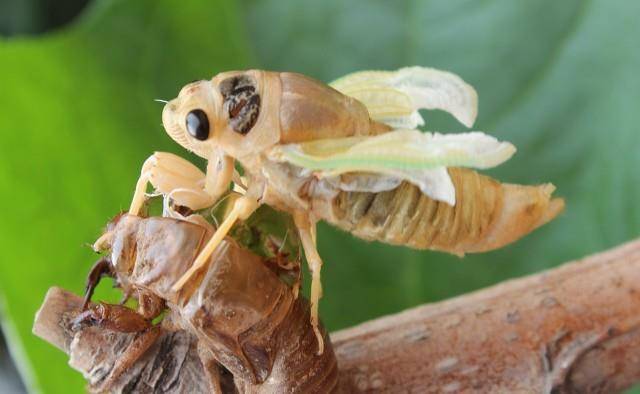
{"points": [[348, 153], [244, 316]]}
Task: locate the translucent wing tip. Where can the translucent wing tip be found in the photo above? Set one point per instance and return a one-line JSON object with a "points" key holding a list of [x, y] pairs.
{"points": [[469, 113], [496, 153], [431, 88]]}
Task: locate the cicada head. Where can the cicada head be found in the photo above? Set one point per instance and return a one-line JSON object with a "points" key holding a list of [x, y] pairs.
{"points": [[191, 118], [236, 112]]}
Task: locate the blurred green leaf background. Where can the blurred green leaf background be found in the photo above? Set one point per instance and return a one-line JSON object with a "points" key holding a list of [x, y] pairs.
{"points": [[77, 119]]}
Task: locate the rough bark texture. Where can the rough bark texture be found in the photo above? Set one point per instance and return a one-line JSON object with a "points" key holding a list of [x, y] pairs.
{"points": [[171, 365], [571, 329]]}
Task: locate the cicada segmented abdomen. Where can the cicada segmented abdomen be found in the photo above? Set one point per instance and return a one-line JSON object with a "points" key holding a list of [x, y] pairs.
{"points": [[486, 216]]}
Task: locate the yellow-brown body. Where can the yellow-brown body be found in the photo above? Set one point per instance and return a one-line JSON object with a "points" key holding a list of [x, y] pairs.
{"points": [[311, 110], [293, 108], [488, 214], [264, 120]]}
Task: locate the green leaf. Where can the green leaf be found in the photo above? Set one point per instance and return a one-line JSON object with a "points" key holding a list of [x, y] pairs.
{"points": [[558, 79], [77, 121]]}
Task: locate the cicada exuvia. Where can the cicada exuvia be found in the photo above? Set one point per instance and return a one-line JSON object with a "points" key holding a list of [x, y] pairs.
{"points": [[244, 316], [349, 153]]}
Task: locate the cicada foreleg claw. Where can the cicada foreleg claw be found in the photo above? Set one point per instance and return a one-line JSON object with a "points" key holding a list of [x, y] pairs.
{"points": [[176, 179], [123, 320], [100, 269]]}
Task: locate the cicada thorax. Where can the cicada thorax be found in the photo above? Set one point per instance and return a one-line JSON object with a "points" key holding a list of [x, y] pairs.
{"points": [[240, 102], [311, 110], [486, 216], [259, 109], [247, 106]]}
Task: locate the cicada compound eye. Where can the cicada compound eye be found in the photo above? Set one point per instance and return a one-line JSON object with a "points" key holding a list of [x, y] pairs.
{"points": [[197, 124]]}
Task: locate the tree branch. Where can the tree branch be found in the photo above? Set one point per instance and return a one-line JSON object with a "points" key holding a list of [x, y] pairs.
{"points": [[571, 329], [173, 366]]}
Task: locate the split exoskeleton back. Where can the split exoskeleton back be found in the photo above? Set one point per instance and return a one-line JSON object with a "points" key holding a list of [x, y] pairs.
{"points": [[236, 305]]}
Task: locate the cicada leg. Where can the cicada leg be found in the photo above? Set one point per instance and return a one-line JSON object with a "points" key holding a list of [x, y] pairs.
{"points": [[178, 180], [120, 319], [212, 368], [282, 264], [307, 230], [113, 317], [100, 269], [243, 208], [141, 186]]}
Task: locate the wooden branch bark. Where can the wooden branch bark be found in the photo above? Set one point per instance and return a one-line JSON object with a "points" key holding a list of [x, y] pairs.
{"points": [[572, 329], [172, 366]]}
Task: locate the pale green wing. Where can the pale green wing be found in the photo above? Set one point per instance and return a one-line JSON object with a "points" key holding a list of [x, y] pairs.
{"points": [[420, 158], [401, 149], [394, 97]]}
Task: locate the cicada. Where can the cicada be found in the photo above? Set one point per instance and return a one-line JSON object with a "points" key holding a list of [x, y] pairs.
{"points": [[243, 315], [349, 153]]}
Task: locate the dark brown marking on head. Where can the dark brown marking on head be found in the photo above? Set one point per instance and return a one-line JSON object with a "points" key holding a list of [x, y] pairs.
{"points": [[241, 102]]}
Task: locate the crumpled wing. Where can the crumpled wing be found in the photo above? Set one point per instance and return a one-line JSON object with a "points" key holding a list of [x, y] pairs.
{"points": [[394, 97], [420, 158]]}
